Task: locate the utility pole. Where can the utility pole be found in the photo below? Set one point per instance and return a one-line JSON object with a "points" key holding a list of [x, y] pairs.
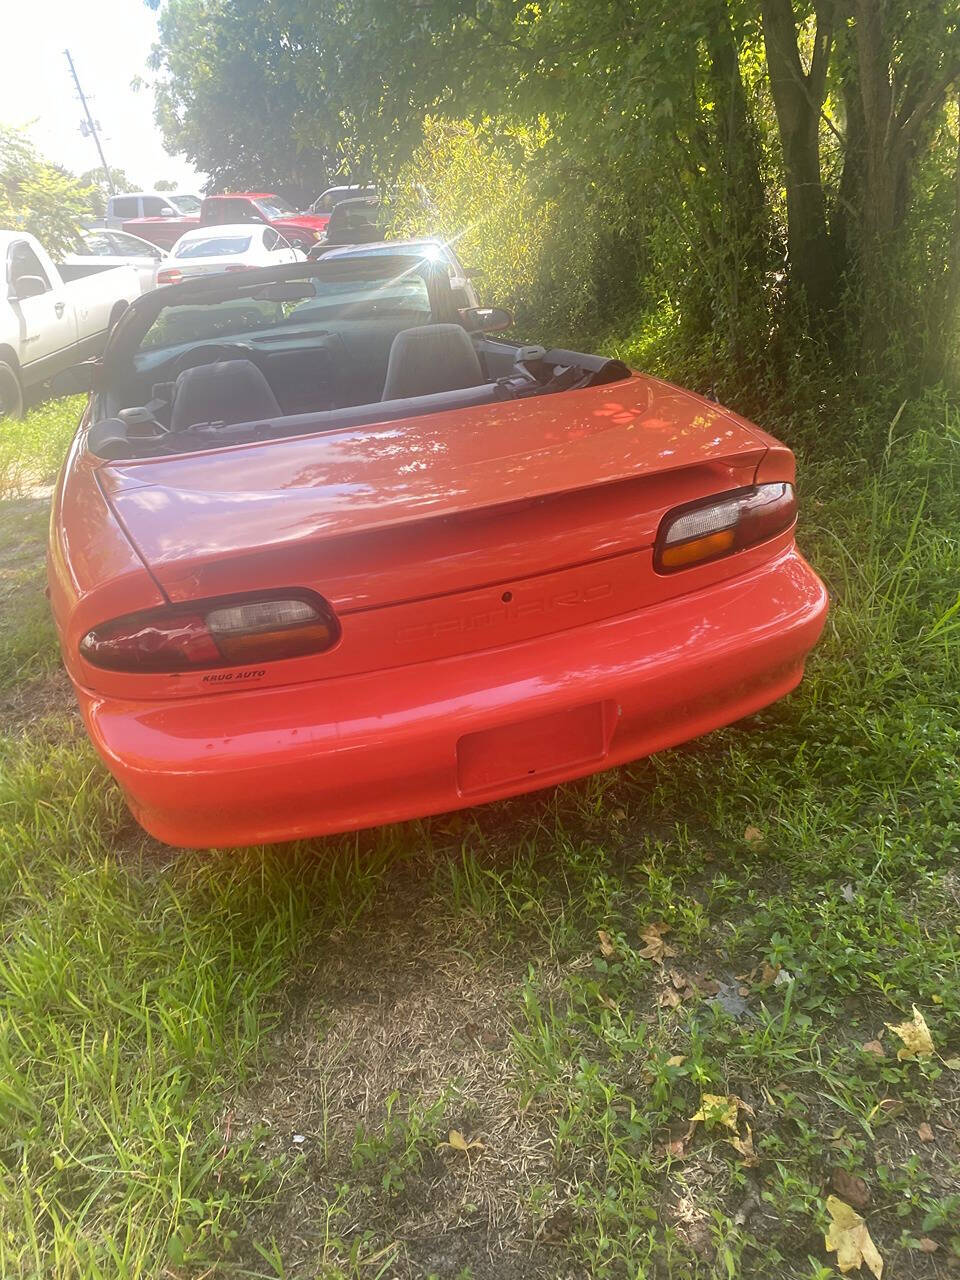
{"points": [[90, 123]]}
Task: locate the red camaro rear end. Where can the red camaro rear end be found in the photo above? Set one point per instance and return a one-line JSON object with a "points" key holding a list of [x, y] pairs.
{"points": [[526, 567]]}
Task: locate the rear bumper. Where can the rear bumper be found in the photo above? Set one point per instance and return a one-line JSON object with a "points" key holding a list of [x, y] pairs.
{"points": [[284, 763]]}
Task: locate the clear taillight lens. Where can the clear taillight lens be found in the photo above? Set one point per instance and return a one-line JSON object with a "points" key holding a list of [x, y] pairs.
{"points": [[216, 633], [723, 524]]}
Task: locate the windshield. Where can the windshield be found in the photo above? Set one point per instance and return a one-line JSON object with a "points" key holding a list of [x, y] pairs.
{"points": [[341, 294], [187, 204], [212, 247], [275, 207]]}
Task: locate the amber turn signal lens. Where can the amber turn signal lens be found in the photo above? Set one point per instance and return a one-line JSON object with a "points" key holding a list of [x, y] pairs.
{"points": [[722, 524], [714, 544]]}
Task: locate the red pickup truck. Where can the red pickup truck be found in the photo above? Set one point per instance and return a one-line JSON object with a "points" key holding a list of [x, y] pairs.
{"points": [[301, 229]]}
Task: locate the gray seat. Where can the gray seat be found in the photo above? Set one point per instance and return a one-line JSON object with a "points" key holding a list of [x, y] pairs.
{"points": [[229, 391], [429, 359]]}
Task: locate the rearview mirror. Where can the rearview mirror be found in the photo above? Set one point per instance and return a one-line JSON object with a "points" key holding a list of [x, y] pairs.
{"points": [[485, 319], [28, 287], [79, 379]]}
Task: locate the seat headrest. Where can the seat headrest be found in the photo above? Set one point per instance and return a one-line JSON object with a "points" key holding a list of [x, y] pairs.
{"points": [[431, 358], [229, 391]]}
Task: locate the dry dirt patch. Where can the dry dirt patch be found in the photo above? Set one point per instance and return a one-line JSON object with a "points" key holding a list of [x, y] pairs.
{"points": [[396, 1036]]}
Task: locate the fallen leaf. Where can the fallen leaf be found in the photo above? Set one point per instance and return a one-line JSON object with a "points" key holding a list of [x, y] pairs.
{"points": [[606, 943], [850, 1188], [925, 1133], [708, 986], [848, 894], [768, 973], [743, 991], [618, 815], [607, 1002], [915, 1034], [952, 1064], [745, 1146], [927, 1245], [676, 1061], [679, 980], [675, 1149], [717, 1109], [753, 835], [669, 999], [656, 949], [875, 1048], [782, 978], [459, 1142], [849, 1238]]}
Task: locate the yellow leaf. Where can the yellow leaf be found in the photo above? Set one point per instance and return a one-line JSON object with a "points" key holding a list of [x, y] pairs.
{"points": [[745, 1147], [606, 943], [915, 1034], [717, 1109], [952, 1064], [849, 1237], [676, 1061], [459, 1142], [753, 835]]}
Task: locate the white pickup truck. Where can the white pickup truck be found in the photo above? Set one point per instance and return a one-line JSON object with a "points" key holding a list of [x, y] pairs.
{"points": [[46, 324]]}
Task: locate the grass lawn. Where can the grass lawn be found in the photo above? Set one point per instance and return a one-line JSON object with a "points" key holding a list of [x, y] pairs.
{"points": [[475, 1046]]}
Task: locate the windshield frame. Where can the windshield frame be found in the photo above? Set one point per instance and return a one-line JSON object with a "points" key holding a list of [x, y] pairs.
{"points": [[272, 208], [125, 340]]}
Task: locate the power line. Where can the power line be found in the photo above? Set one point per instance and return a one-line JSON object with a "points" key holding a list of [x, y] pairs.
{"points": [[91, 126]]}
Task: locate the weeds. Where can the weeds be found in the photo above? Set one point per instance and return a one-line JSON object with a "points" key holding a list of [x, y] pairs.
{"points": [[169, 1023]]}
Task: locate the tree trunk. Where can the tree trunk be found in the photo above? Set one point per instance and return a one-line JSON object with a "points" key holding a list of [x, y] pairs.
{"points": [[798, 100], [900, 101]]}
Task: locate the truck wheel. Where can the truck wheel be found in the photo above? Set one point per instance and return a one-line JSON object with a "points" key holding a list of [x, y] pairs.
{"points": [[11, 393]]}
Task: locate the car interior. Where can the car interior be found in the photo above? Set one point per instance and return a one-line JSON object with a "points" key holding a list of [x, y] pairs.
{"points": [[349, 353]]}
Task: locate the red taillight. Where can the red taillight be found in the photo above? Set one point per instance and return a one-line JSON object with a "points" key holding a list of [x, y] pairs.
{"points": [[214, 633], [169, 275], [719, 525]]}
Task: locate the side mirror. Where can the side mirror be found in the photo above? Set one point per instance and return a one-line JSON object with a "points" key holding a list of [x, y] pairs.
{"points": [[78, 379], [485, 319], [28, 287]]}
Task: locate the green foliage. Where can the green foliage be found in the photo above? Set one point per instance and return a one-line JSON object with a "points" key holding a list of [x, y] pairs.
{"points": [[100, 188], [169, 1023], [643, 147], [39, 197], [229, 98]]}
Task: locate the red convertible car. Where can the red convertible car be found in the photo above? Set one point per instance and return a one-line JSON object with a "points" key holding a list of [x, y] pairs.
{"points": [[325, 554]]}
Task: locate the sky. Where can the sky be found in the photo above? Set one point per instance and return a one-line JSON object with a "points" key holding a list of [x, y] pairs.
{"points": [[110, 41]]}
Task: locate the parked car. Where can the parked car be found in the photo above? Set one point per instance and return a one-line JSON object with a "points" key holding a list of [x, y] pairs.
{"points": [[150, 204], [326, 554], [99, 250], [354, 221], [229, 248], [301, 229], [328, 200], [428, 249], [48, 323]]}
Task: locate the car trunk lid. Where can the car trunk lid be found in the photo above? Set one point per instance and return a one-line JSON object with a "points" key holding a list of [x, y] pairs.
{"points": [[444, 533]]}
